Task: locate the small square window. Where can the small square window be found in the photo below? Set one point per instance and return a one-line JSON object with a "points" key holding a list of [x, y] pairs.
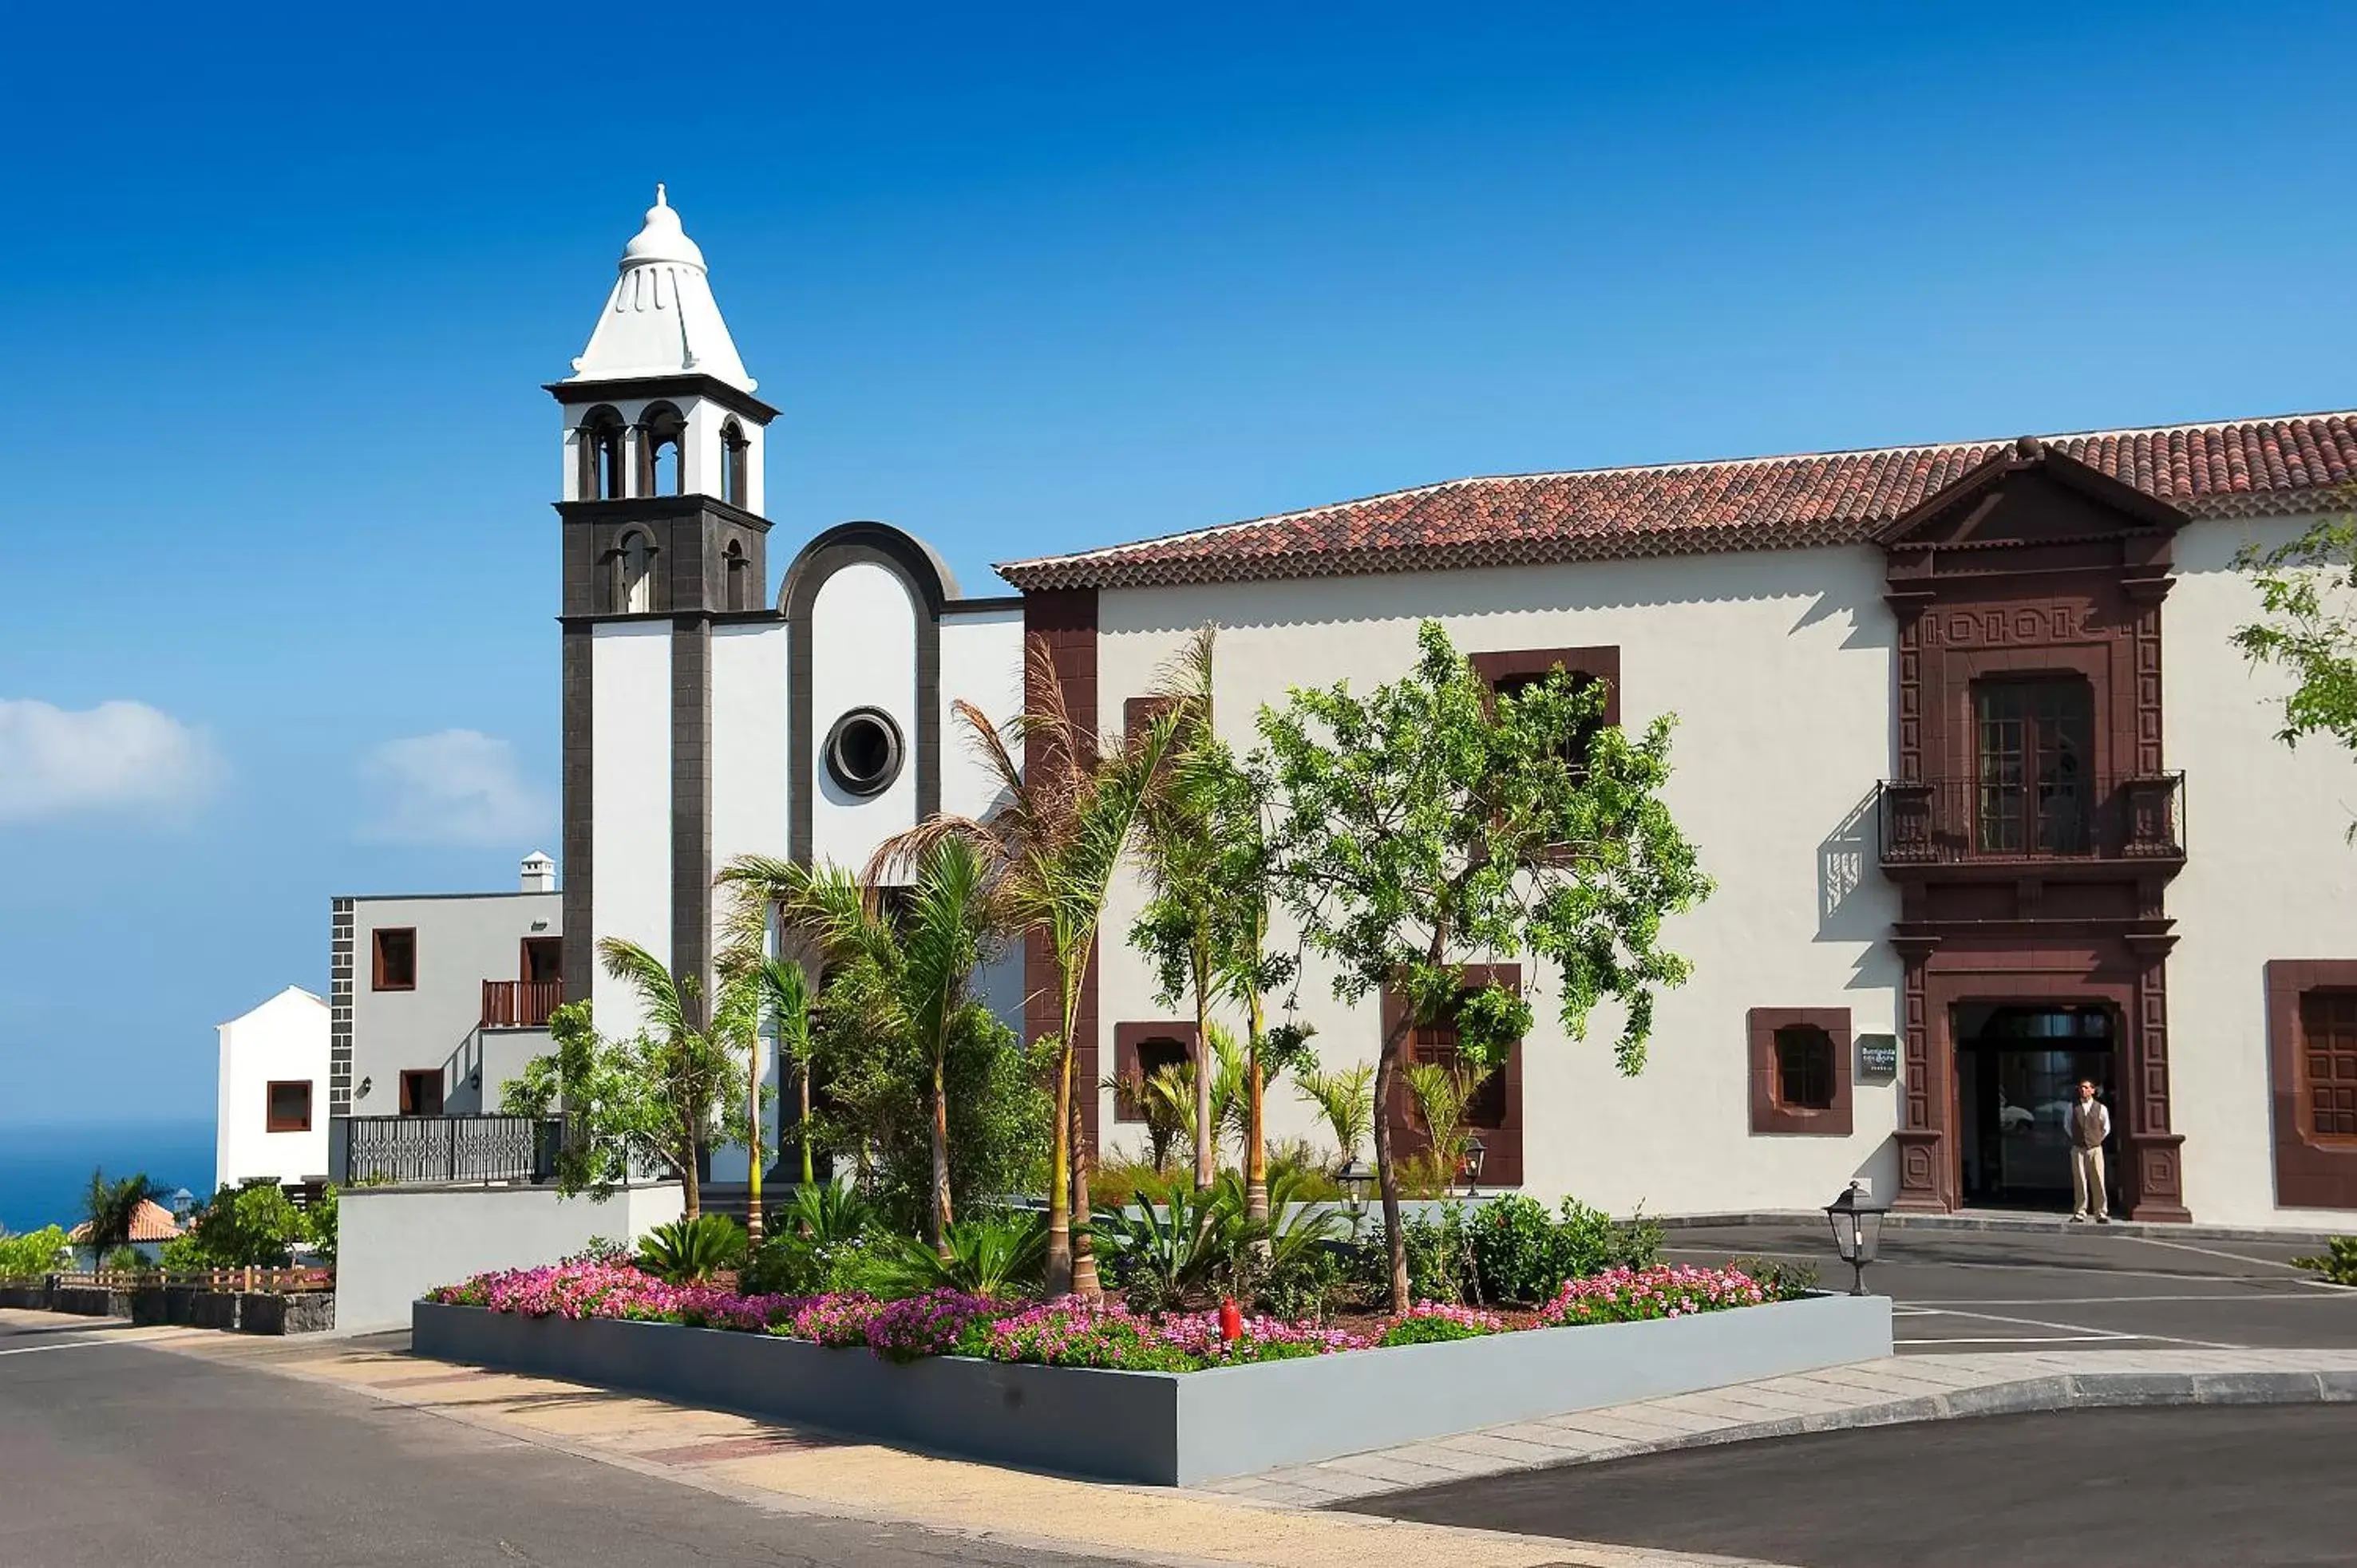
{"points": [[396, 959], [289, 1107]]}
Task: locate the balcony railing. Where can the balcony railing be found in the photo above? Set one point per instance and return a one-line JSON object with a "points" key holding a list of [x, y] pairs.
{"points": [[414, 1149], [521, 1004], [1952, 821]]}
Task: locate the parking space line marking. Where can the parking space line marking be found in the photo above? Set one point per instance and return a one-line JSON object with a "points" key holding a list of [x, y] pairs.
{"points": [[2240, 1298], [2032, 1340], [69, 1345], [2214, 1252], [2020, 1266], [2088, 1328]]}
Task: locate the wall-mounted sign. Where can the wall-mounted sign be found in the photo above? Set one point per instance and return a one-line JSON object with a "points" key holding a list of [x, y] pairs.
{"points": [[1878, 1056]]}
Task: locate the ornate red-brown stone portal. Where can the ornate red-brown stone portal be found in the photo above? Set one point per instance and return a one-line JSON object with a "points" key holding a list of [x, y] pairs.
{"points": [[2031, 828]]}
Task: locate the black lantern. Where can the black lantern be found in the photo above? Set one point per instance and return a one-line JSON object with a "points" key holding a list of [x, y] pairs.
{"points": [[1474, 1150], [1857, 1221], [1356, 1177]]}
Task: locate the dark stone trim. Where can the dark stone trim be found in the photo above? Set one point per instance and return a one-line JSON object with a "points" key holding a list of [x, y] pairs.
{"points": [[339, 1011], [2309, 1174], [977, 605], [660, 509], [1064, 626], [691, 801], [1770, 1114], [830, 553], [632, 389], [578, 703]]}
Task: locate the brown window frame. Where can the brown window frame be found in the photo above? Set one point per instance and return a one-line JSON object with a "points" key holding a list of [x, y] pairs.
{"points": [[1501, 1144], [523, 957], [1126, 1039], [2310, 1172], [271, 1121], [1531, 663], [1772, 1115], [377, 982], [2304, 1081], [410, 1077]]}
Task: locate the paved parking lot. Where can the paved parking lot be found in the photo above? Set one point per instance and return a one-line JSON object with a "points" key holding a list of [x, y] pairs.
{"points": [[2088, 1287]]}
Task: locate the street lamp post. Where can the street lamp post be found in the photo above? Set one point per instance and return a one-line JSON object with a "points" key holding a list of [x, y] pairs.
{"points": [[1858, 1232]]}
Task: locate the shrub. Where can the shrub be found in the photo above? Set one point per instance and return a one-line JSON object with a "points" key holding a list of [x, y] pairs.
{"points": [[253, 1226], [1781, 1278], [991, 1255], [822, 1238], [34, 1252], [601, 1250], [2337, 1264], [127, 1260], [1438, 1267], [1429, 1322], [1519, 1254], [687, 1249], [1162, 1256], [320, 1224]]}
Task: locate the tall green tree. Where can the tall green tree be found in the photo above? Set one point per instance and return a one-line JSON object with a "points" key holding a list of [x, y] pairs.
{"points": [[109, 1208], [1065, 819], [920, 955], [1431, 823], [786, 1000], [655, 1100], [2308, 628]]}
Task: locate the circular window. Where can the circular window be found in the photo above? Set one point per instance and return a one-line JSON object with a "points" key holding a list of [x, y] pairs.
{"points": [[863, 751]]}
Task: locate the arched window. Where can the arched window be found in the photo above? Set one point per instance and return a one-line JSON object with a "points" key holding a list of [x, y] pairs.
{"points": [[600, 446], [634, 574], [735, 464], [662, 438], [741, 578]]}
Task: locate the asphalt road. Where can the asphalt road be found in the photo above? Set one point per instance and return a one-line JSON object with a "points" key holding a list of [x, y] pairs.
{"points": [[2110, 1489], [116, 1457], [2086, 1288]]}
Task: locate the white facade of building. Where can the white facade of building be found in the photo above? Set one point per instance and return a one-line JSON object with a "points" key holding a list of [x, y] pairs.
{"points": [[270, 1120], [1790, 631]]}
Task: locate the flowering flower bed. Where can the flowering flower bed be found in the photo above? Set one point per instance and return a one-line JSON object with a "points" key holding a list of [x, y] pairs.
{"points": [[1069, 1332], [1669, 1290]]}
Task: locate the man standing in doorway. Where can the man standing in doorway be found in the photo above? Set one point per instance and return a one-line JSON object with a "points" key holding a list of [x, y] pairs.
{"points": [[2090, 1124]]}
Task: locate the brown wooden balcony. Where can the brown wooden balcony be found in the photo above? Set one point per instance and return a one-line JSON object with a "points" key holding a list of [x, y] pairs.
{"points": [[521, 1004], [2082, 819]]}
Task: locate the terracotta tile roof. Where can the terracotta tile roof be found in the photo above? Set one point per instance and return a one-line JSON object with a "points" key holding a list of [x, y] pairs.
{"points": [[2242, 468], [151, 1221]]}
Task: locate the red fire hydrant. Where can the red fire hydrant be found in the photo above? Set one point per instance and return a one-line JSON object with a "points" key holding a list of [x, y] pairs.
{"points": [[1231, 1322]]}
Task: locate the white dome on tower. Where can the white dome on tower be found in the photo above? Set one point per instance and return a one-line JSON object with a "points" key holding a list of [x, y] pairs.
{"points": [[660, 319]]}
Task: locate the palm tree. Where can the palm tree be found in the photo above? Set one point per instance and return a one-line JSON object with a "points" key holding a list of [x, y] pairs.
{"points": [[1346, 1099], [691, 1061], [924, 957], [786, 997], [109, 1210], [1064, 819], [1179, 853]]}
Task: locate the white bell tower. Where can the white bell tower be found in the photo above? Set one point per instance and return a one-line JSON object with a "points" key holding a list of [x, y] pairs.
{"points": [[659, 403]]}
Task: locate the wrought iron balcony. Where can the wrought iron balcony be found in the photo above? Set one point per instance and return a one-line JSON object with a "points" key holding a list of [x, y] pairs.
{"points": [[1957, 822], [521, 1004], [403, 1150]]}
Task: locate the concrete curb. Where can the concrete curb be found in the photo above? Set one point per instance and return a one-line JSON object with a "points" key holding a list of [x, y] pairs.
{"points": [[2024, 1396], [2023, 1224]]}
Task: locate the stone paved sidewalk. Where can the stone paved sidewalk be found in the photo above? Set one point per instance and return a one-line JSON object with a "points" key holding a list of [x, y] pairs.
{"points": [[1866, 1393]]}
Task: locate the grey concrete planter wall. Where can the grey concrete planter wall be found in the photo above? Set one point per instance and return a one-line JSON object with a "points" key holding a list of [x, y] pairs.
{"points": [[1172, 1429]]}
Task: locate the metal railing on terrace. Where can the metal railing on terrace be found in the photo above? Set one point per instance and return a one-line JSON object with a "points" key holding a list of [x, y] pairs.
{"points": [[407, 1150], [1946, 822]]}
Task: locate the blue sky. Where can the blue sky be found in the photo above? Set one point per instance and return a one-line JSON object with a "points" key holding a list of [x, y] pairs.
{"points": [[276, 298]]}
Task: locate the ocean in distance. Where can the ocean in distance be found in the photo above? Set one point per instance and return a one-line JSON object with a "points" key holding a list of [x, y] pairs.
{"points": [[45, 1167]]}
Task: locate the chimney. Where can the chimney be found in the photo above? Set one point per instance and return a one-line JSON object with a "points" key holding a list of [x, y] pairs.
{"points": [[539, 874]]}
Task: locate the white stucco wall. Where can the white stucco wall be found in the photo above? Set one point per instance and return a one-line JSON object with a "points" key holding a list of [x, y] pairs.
{"points": [[630, 727], [982, 663], [283, 1039], [749, 802], [2269, 875], [863, 654], [395, 1243], [1779, 666], [463, 939]]}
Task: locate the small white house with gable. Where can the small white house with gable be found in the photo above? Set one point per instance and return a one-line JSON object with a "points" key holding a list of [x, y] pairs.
{"points": [[271, 1119]]}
